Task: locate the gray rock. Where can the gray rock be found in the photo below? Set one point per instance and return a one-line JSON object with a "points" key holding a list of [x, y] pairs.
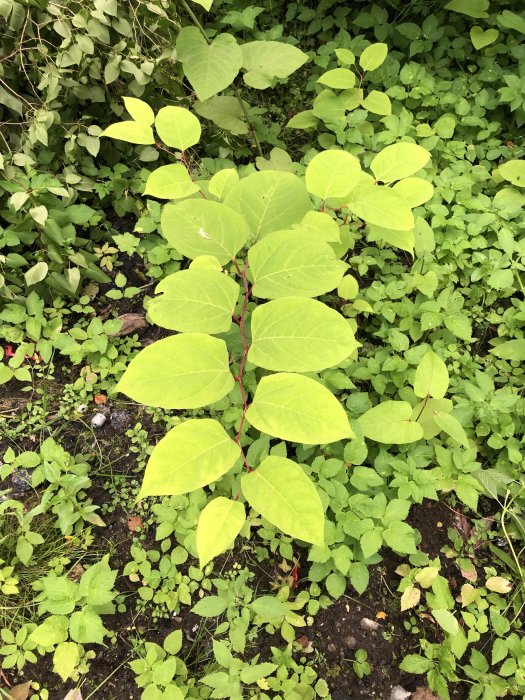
{"points": [[120, 420]]}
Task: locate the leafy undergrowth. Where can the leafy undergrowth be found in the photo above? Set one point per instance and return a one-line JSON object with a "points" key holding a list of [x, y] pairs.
{"points": [[372, 547]]}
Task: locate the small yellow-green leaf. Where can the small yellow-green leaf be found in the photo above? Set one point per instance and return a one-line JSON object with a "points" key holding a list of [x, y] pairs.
{"points": [[130, 131], [410, 598], [498, 584], [414, 190], [390, 423], [219, 524], [431, 378], [178, 127], [427, 576], [471, 8], [373, 56], [481, 38], [139, 110], [332, 174], [446, 621], [451, 426], [377, 103], [170, 182], [338, 78], [514, 172], [399, 160]]}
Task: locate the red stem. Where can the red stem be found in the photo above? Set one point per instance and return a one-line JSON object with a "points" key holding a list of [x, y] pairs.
{"points": [[245, 347], [184, 160]]}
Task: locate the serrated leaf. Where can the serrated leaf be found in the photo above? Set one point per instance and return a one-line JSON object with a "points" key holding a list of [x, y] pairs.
{"points": [[65, 659], [431, 378], [197, 300], [390, 422], [183, 371], [398, 161], [410, 598], [177, 127], [332, 174], [283, 494], [170, 182], [295, 334], [85, 627], [191, 455], [292, 263], [203, 227], [510, 350], [219, 524], [297, 408]]}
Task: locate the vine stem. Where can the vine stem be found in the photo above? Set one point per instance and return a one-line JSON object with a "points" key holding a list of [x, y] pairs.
{"points": [[235, 89], [242, 326]]}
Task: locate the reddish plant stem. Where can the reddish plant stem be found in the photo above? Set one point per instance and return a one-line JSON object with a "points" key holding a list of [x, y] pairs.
{"points": [[245, 348], [185, 162]]}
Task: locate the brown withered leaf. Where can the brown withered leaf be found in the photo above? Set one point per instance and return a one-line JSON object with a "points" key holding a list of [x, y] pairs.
{"points": [[462, 525], [76, 572], [135, 523], [130, 323], [425, 694], [74, 694], [100, 399], [20, 692]]}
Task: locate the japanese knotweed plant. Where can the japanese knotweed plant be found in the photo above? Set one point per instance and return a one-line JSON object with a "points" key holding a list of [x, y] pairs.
{"points": [[261, 247]]}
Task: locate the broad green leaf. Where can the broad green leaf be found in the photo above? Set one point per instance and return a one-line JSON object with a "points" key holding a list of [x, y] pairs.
{"points": [[390, 422], [413, 663], [53, 630], [345, 56], [178, 127], [297, 408], [510, 350], [398, 161], [130, 131], [511, 20], [332, 174], [66, 659], [460, 325], [252, 674], [431, 378], [321, 225], [195, 301], [96, 584], [266, 60], [446, 621], [291, 263], [451, 426], [481, 38], [373, 56], [331, 108], [471, 8], [139, 110], [191, 455], [445, 126], [202, 227], [400, 239], [338, 78], [377, 103], [269, 201], [514, 172], [278, 160], [209, 67], [295, 334], [283, 494], [219, 524], [223, 181], [85, 627], [414, 190], [269, 608], [224, 111], [498, 584], [399, 536], [210, 606], [183, 371], [170, 182], [380, 206]]}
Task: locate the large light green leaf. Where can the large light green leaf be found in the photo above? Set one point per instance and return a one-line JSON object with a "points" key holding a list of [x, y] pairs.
{"points": [[514, 172], [414, 190], [191, 455], [195, 301], [471, 8], [332, 174], [398, 161], [321, 225], [130, 131], [390, 422], [209, 67], [283, 494], [224, 111], [451, 426], [139, 110], [424, 413], [291, 263], [331, 108], [270, 201], [431, 377], [183, 371], [170, 182], [373, 56], [446, 621], [297, 408], [202, 227], [206, 4], [294, 334], [511, 20], [381, 206], [266, 60], [178, 127], [219, 524]]}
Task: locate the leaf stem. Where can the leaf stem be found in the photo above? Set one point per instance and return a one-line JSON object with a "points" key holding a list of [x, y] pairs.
{"points": [[245, 347]]}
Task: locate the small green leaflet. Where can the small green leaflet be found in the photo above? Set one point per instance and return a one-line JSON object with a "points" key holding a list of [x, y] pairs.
{"points": [[197, 300], [269, 201], [130, 131], [294, 334], [283, 494], [431, 377], [380, 206], [514, 172], [297, 408], [183, 371], [170, 182], [209, 67], [191, 455], [511, 20], [206, 4], [178, 127], [266, 60], [223, 181], [451, 426], [377, 103], [294, 263], [219, 524], [398, 161], [139, 110], [332, 174], [373, 56], [202, 227], [390, 422], [446, 621]]}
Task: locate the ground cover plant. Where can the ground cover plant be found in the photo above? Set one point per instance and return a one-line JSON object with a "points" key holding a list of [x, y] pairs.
{"points": [[262, 344]]}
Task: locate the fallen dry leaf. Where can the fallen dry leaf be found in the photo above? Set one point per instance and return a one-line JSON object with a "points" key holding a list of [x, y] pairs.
{"points": [[100, 399], [425, 694], [367, 624], [381, 615], [134, 523], [74, 694], [130, 323], [20, 692], [76, 572], [399, 693], [462, 525]]}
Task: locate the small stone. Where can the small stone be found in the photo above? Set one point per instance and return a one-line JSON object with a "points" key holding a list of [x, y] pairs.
{"points": [[98, 420], [399, 693], [120, 420], [21, 481], [331, 650], [81, 408], [369, 625], [351, 642]]}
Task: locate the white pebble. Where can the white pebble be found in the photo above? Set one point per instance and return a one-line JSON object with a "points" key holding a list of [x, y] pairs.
{"points": [[98, 420]]}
